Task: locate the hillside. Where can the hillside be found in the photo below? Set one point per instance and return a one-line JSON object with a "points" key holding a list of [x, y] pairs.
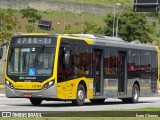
{"points": [[59, 20], [62, 13], [96, 7], [99, 2]]}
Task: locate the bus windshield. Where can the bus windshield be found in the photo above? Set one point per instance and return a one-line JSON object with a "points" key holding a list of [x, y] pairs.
{"points": [[30, 61], [31, 57]]}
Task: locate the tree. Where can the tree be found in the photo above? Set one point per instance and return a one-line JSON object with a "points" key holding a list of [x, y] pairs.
{"points": [[32, 16], [154, 15], [93, 28], [8, 25], [132, 26]]}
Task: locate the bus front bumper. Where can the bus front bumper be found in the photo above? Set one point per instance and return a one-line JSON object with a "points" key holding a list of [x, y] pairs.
{"points": [[48, 93]]}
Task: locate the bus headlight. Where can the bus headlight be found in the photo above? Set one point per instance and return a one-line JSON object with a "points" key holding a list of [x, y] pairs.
{"points": [[48, 85], [9, 84]]}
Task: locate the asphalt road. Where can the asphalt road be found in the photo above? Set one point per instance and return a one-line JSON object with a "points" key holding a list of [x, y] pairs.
{"points": [[21, 104]]}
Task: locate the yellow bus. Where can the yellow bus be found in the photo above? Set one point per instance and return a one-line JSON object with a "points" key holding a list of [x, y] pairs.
{"points": [[76, 67]]}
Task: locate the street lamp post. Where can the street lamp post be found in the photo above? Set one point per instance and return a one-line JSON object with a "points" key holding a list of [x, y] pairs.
{"points": [[82, 18], [117, 4], [65, 17], [118, 19], [113, 20]]}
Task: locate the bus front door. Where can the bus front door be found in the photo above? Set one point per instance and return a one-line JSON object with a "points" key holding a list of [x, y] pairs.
{"points": [[98, 71], [122, 73]]}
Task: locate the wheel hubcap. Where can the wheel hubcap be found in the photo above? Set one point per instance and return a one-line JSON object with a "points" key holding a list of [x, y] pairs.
{"points": [[135, 94], [80, 95]]}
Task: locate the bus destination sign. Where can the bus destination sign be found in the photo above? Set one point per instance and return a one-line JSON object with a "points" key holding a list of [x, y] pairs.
{"points": [[33, 40]]}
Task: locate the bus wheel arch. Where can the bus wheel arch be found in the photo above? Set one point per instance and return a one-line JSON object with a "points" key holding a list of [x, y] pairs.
{"points": [[85, 86], [80, 94]]}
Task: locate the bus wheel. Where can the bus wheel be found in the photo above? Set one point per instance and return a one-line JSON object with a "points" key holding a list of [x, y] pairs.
{"points": [[135, 95], [36, 101], [126, 100], [97, 101], [80, 96]]}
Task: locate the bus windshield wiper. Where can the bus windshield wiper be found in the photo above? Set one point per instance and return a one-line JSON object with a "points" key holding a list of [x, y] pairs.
{"points": [[43, 46], [41, 51]]}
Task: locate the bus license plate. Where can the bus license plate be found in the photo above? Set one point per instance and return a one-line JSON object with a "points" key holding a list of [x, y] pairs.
{"points": [[28, 95]]}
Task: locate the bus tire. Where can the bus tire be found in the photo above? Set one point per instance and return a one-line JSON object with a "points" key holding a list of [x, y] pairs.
{"points": [[97, 101], [80, 97], [126, 100], [135, 95], [36, 101]]}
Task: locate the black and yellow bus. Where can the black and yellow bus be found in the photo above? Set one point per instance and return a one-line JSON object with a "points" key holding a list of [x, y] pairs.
{"points": [[76, 67]]}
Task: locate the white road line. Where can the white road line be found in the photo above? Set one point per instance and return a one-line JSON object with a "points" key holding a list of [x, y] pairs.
{"points": [[3, 105], [2, 95]]}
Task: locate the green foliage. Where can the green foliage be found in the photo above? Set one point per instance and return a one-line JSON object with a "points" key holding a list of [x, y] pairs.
{"points": [[68, 27], [8, 24], [93, 28], [30, 14], [30, 27], [69, 30], [132, 26], [99, 2], [157, 42], [154, 15]]}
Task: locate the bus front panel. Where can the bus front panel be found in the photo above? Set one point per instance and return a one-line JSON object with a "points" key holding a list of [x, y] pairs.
{"points": [[30, 63]]}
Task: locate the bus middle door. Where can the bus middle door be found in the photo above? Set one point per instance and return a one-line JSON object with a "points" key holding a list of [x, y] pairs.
{"points": [[122, 73], [98, 71]]}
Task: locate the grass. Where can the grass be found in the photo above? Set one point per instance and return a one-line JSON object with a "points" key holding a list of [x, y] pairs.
{"points": [[149, 109], [122, 113], [79, 118], [133, 113], [99, 2], [100, 115], [60, 19]]}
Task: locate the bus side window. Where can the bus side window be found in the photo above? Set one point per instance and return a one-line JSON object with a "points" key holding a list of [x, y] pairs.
{"points": [[66, 58], [64, 67], [145, 65]]}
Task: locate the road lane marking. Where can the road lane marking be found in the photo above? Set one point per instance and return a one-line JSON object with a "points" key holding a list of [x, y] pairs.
{"points": [[2, 95]]}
